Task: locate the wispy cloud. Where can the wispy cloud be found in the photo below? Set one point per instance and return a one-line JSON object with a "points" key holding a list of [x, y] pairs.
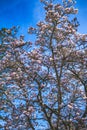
{"points": [[38, 12]]}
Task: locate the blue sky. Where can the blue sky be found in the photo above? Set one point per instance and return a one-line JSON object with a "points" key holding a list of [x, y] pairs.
{"points": [[26, 13]]}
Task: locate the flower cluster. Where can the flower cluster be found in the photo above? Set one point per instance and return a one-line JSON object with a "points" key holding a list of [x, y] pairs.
{"points": [[45, 85]]}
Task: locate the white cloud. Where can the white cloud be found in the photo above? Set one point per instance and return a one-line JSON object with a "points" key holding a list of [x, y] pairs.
{"points": [[38, 13]]}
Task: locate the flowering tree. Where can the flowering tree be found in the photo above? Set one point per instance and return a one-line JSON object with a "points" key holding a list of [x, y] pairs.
{"points": [[43, 85]]}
